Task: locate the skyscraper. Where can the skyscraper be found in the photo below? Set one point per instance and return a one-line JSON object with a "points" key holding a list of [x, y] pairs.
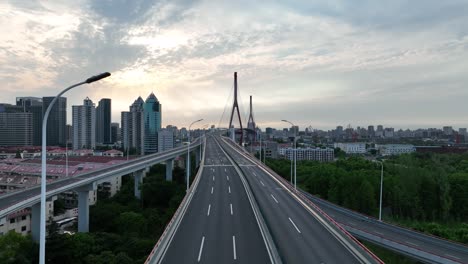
{"points": [[84, 125], [152, 113], [103, 121], [133, 127], [33, 105], [57, 121], [15, 126], [115, 132]]}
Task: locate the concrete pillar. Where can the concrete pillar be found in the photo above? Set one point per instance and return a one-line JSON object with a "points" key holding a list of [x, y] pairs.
{"points": [[83, 206], [169, 167], [197, 157], [36, 221], [138, 177]]}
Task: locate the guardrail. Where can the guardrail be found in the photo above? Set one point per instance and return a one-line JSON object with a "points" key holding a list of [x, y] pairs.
{"points": [[301, 197], [157, 254]]}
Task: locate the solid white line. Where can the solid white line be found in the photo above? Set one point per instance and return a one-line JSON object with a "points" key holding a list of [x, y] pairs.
{"points": [[262, 183], [212, 190], [231, 209], [201, 248], [229, 189], [413, 244], [227, 177], [299, 231], [274, 198], [209, 208], [448, 255], [234, 246]]}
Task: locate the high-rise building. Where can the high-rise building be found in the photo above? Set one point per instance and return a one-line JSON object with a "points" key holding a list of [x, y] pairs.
{"points": [[57, 121], [16, 127], [133, 127], [166, 140], [370, 131], [152, 113], [115, 132], [33, 105], [103, 121], [84, 125]]}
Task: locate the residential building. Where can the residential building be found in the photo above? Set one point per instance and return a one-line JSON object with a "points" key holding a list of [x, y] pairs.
{"points": [[166, 140], [103, 121], [115, 132], [84, 125], [352, 148], [57, 120], [395, 149], [133, 127], [33, 105], [318, 154], [16, 127]]}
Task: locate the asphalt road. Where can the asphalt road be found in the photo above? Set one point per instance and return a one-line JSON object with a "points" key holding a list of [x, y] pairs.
{"points": [[219, 225], [444, 248], [299, 237]]}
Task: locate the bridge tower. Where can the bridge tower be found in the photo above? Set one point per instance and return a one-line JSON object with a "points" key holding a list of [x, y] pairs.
{"points": [[235, 106], [251, 126]]}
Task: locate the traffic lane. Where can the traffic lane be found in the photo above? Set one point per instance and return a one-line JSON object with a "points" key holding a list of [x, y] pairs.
{"points": [[250, 245], [190, 232], [401, 236], [316, 243]]}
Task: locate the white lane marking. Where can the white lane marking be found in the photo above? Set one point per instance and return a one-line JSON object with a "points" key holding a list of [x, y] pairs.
{"points": [[274, 198], [413, 244], [201, 248], [234, 247], [254, 174], [212, 188], [225, 170], [231, 209], [351, 223], [378, 233], [262, 183], [452, 256], [229, 189], [290, 220], [209, 208], [213, 178], [227, 177]]}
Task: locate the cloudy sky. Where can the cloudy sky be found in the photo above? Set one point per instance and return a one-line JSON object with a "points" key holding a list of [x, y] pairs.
{"points": [[317, 63]]}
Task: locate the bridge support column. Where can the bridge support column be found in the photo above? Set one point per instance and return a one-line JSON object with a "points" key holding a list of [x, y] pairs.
{"points": [[35, 221], [138, 177], [169, 167], [83, 206], [197, 157]]}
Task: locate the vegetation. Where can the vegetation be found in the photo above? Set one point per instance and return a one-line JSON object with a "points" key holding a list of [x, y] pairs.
{"points": [[17, 249], [421, 191], [387, 256]]}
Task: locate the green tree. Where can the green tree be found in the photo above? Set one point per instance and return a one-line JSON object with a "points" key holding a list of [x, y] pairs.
{"points": [[17, 249]]}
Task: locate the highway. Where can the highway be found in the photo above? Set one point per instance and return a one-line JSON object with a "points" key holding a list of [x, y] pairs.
{"points": [[219, 225], [11, 202], [352, 220], [301, 236]]}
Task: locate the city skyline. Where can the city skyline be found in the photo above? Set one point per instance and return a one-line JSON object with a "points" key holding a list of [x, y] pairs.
{"points": [[309, 62]]}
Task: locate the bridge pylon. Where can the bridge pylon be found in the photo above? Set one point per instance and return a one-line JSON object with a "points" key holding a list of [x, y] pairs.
{"points": [[235, 106]]}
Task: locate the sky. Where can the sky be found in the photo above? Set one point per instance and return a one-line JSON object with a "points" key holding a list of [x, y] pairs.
{"points": [[402, 64]]}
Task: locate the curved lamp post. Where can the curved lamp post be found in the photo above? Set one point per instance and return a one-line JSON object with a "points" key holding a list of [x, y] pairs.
{"points": [[295, 154], [381, 188], [188, 152], [43, 163]]}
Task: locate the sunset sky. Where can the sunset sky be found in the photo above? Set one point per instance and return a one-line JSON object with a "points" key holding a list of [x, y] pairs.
{"points": [[317, 63]]}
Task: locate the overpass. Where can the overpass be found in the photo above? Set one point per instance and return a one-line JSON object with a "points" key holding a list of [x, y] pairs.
{"points": [[236, 211], [83, 183]]}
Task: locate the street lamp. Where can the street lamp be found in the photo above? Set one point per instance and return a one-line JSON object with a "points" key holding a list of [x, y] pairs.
{"points": [[188, 152], [381, 188], [43, 163], [295, 154]]}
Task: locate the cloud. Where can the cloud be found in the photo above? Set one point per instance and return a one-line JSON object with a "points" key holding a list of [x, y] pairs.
{"points": [[325, 63]]}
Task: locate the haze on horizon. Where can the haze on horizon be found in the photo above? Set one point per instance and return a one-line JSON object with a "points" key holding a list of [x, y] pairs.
{"points": [[401, 64]]}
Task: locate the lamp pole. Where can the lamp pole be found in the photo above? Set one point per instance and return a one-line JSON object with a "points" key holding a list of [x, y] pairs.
{"points": [[381, 189], [188, 153], [295, 153], [43, 162]]}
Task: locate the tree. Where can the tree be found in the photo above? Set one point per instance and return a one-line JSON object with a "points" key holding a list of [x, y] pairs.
{"points": [[17, 249]]}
